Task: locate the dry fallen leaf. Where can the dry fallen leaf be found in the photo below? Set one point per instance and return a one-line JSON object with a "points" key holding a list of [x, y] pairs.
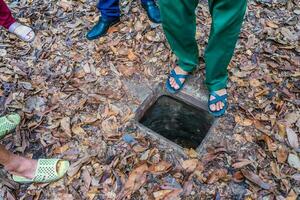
{"points": [[216, 175], [275, 170], [160, 168], [66, 5], [190, 165], [292, 195], [131, 55], [159, 195], [281, 129], [77, 130], [238, 177], [256, 179], [271, 24], [61, 149], [127, 71], [136, 179], [66, 126], [294, 161], [267, 139], [281, 154], [242, 163], [292, 138], [75, 167]]}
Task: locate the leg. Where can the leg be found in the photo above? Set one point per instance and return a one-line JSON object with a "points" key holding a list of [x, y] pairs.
{"points": [[109, 9], [179, 24], [227, 18], [16, 164], [6, 19]]}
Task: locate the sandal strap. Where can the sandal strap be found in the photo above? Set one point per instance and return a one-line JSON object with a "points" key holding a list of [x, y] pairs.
{"points": [[8, 123], [14, 26], [218, 98], [177, 77], [46, 170]]}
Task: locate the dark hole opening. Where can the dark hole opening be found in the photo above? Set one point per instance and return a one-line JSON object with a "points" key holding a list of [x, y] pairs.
{"points": [[177, 121]]}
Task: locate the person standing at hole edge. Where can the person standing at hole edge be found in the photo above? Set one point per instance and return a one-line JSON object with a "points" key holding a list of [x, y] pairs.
{"points": [[179, 24], [110, 15], [26, 170], [23, 32]]}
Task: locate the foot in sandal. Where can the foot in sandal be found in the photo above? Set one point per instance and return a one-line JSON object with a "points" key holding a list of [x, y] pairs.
{"points": [[25, 33], [38, 171], [217, 103], [8, 123]]}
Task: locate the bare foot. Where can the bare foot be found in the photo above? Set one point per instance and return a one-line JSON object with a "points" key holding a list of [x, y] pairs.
{"points": [[219, 105], [21, 166], [178, 71]]}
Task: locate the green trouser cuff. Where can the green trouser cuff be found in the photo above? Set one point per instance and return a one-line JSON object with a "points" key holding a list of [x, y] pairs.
{"points": [[221, 84], [187, 67]]}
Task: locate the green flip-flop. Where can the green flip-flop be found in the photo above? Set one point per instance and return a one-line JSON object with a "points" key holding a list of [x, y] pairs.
{"points": [[8, 123], [48, 170]]}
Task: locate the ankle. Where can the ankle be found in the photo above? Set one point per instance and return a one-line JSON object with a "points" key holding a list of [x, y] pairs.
{"points": [[180, 70]]}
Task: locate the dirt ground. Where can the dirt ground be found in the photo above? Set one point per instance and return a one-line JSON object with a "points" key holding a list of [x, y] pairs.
{"points": [[76, 102]]}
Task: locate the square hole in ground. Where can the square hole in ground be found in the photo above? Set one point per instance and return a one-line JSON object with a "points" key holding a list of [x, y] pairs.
{"points": [[178, 121]]}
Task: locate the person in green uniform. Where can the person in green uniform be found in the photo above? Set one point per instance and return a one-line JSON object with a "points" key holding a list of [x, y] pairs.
{"points": [[179, 24]]}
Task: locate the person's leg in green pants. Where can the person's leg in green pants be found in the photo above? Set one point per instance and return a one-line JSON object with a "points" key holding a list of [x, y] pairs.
{"points": [[178, 19]]}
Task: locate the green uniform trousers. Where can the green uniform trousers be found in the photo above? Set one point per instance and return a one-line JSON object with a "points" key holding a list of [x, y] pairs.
{"points": [[179, 24]]}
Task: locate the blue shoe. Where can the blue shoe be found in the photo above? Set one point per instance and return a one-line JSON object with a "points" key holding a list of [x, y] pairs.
{"points": [[177, 80], [101, 28], [217, 99], [152, 11]]}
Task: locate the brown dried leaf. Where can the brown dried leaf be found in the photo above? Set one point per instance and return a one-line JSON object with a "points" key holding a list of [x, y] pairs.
{"points": [[159, 195], [86, 178], [292, 195], [75, 167], [272, 24], [77, 130], [216, 175], [191, 153], [242, 163], [174, 195], [190, 165], [136, 179], [281, 154], [66, 5], [275, 169], [61, 149], [256, 179], [271, 145], [131, 56], [65, 125], [281, 129], [127, 71], [238, 177], [160, 168]]}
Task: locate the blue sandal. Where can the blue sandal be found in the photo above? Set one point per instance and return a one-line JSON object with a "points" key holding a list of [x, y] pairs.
{"points": [[217, 99], [177, 78]]}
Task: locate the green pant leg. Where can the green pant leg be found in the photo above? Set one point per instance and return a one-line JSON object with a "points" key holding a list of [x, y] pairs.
{"points": [[179, 24], [227, 18]]}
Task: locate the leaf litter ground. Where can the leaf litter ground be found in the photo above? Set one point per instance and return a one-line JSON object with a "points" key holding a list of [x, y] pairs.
{"points": [[75, 101]]}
